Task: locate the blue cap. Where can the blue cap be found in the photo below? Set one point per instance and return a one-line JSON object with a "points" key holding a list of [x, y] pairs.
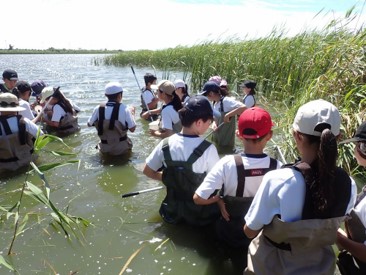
{"points": [[37, 87], [210, 86]]}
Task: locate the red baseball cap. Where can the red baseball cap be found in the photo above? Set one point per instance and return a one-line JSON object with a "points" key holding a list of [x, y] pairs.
{"points": [[254, 123]]}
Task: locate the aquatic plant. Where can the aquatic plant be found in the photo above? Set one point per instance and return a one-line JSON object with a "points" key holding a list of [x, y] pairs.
{"points": [[328, 63], [61, 218]]}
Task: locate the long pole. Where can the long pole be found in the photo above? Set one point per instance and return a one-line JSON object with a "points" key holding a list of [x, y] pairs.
{"points": [[210, 133], [142, 191], [142, 97]]}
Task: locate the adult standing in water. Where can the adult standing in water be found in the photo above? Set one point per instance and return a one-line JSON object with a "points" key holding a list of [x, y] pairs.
{"points": [[113, 120], [297, 210], [352, 258]]}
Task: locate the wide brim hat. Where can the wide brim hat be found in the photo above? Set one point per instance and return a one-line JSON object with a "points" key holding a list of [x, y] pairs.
{"points": [[359, 136], [9, 103]]}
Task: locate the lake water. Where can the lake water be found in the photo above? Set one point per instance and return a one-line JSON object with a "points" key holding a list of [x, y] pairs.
{"points": [[93, 190]]}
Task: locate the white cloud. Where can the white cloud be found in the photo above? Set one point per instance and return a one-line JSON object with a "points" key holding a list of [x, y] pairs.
{"points": [[145, 24]]}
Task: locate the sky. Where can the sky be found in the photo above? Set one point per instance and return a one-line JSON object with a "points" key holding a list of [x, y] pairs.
{"points": [[160, 24]]}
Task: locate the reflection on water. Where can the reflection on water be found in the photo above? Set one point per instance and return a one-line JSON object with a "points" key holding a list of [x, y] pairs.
{"points": [[93, 191]]}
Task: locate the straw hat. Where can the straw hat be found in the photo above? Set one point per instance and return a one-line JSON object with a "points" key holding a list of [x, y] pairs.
{"points": [[9, 103]]}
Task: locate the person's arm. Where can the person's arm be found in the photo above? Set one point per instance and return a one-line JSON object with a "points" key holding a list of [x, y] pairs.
{"points": [[161, 133], [234, 112], [250, 233], [201, 201], [358, 250], [156, 175]]}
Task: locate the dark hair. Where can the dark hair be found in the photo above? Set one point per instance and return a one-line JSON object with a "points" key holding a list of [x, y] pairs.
{"points": [[322, 189], [62, 100], [187, 117], [149, 78], [185, 92], [113, 97], [177, 104]]}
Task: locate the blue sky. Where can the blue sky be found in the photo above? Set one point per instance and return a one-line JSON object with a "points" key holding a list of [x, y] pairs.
{"points": [[158, 24]]}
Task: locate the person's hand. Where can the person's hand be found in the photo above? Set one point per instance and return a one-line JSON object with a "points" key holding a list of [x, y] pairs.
{"points": [[152, 132], [227, 118], [223, 210], [132, 110], [145, 115]]}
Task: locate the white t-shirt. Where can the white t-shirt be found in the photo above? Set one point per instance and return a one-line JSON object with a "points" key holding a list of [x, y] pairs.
{"points": [[147, 96], [249, 101], [169, 116], [124, 115], [27, 112], [282, 192], [181, 147], [225, 173], [30, 127], [229, 104], [360, 211], [58, 113]]}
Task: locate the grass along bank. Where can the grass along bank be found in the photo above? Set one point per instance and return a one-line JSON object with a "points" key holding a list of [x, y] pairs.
{"points": [[328, 64]]}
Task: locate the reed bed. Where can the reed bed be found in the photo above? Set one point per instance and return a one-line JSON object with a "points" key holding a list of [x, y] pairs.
{"points": [[328, 63]]}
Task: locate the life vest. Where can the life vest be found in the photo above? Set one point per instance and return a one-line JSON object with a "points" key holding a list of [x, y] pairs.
{"points": [[356, 231], [237, 206], [15, 148], [112, 133], [68, 124], [181, 183], [303, 246], [224, 137]]}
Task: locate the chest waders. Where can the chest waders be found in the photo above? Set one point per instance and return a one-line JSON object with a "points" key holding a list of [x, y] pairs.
{"points": [[15, 148], [144, 106], [305, 246], [224, 137], [181, 183], [356, 231], [237, 206], [112, 133], [245, 97], [68, 124]]}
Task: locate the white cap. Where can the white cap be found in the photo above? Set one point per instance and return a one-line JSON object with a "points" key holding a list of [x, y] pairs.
{"points": [[46, 93], [113, 88], [179, 83], [315, 116]]}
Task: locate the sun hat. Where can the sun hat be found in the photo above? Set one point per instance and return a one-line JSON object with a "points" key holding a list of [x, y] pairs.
{"points": [[248, 84], [210, 86], [9, 103], [113, 88], [37, 87], [223, 83], [179, 83], [46, 93], [166, 86], [23, 86], [359, 136], [254, 123], [216, 78], [315, 116], [10, 74]]}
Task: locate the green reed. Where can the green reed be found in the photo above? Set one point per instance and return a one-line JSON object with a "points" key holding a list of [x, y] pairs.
{"points": [[329, 63]]}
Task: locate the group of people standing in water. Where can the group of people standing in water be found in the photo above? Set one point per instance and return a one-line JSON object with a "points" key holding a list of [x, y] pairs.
{"points": [[282, 218]]}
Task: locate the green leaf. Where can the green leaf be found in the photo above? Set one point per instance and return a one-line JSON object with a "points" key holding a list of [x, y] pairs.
{"points": [[5, 263], [50, 166], [62, 153]]}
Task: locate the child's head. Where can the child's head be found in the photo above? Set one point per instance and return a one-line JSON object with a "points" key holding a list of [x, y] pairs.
{"points": [[113, 90], [197, 107], [211, 89], [149, 79], [359, 139], [254, 124], [248, 87]]}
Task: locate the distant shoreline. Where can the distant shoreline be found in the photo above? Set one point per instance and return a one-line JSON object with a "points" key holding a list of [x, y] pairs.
{"points": [[58, 51]]}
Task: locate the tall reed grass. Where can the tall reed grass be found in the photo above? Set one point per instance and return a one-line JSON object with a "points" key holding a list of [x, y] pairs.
{"points": [[328, 64]]}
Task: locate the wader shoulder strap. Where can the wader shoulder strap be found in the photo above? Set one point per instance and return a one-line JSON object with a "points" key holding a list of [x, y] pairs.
{"points": [[22, 135], [198, 151], [114, 115], [222, 104], [361, 196], [166, 151], [243, 173], [101, 119], [6, 126]]}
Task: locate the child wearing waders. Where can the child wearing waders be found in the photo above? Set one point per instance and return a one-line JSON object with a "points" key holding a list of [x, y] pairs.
{"points": [[352, 243], [297, 210], [224, 127], [113, 120], [248, 87], [149, 101], [186, 159], [239, 177]]}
